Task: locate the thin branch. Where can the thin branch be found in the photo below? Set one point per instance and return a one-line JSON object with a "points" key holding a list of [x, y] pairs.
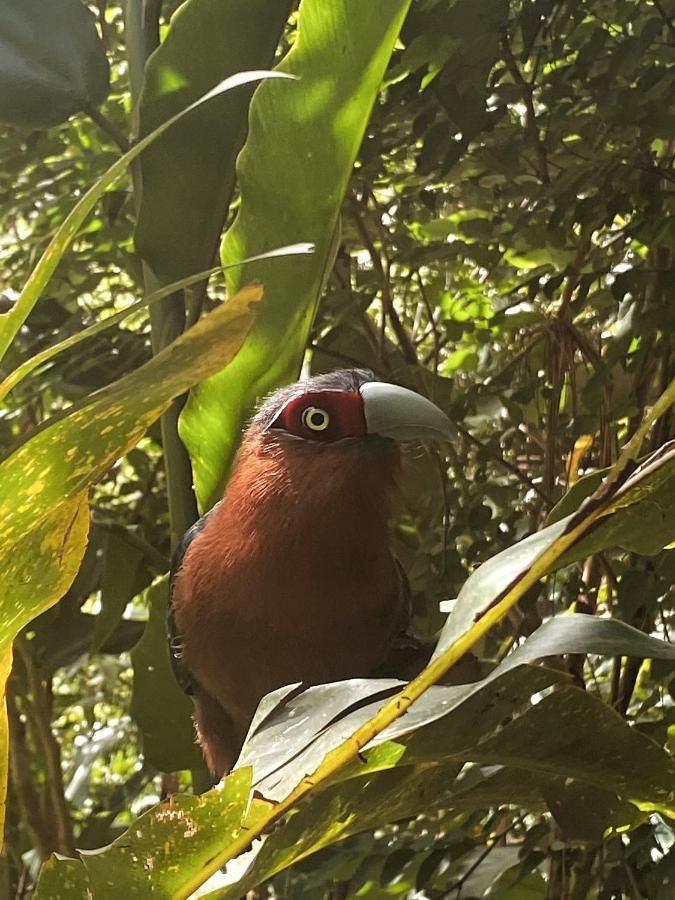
{"points": [[432, 321], [398, 328], [666, 18], [39, 712], [514, 470], [109, 127], [527, 91]]}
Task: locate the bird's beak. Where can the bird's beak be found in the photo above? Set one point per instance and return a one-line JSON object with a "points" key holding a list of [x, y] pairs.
{"points": [[395, 412]]}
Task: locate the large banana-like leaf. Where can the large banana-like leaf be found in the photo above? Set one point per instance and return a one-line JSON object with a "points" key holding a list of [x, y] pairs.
{"points": [[306, 134], [638, 514], [52, 61], [413, 766], [290, 734], [188, 174]]}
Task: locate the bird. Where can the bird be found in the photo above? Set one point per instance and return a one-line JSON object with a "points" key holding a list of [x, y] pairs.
{"points": [[291, 577]]}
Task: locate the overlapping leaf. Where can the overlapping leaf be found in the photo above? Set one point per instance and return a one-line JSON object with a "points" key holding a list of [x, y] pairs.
{"points": [[637, 513], [308, 133], [188, 174], [52, 61], [59, 543], [43, 484]]}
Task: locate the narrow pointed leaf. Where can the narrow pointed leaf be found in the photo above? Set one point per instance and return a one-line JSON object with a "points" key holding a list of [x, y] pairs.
{"points": [[11, 321], [44, 356]]}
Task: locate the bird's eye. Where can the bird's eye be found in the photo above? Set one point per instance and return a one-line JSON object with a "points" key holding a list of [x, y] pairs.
{"points": [[315, 418]]}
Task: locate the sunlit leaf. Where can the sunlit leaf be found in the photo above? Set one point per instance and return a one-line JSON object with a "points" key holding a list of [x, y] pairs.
{"points": [[307, 133], [188, 174]]}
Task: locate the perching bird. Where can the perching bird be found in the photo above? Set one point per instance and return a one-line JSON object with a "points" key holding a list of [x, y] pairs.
{"points": [[290, 577]]}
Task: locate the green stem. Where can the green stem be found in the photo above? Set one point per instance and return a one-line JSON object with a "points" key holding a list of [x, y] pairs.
{"points": [[167, 319]]}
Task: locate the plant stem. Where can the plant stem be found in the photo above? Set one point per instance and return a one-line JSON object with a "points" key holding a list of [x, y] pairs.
{"points": [[167, 318]]}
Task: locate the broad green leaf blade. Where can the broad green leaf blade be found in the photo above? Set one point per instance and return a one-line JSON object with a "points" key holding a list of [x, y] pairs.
{"points": [[569, 735], [306, 134], [58, 540], [162, 852], [188, 175], [584, 812], [158, 706], [574, 734], [11, 321], [52, 62], [61, 877], [66, 457], [468, 709], [638, 514], [30, 588], [290, 736]]}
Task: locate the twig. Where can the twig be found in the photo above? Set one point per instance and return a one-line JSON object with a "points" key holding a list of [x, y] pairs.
{"points": [[514, 470], [39, 713], [432, 321], [402, 335], [668, 21], [109, 127], [527, 90]]}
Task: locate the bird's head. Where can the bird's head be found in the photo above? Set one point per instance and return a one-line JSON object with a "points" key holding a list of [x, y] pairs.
{"points": [[350, 405]]}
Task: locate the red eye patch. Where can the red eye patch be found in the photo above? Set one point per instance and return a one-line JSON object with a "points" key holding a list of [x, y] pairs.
{"points": [[323, 416]]}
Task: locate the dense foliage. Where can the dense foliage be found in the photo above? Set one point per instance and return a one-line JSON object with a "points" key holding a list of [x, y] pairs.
{"points": [[502, 239]]}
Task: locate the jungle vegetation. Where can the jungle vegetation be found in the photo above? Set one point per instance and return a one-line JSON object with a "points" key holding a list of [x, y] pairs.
{"points": [[474, 198]]}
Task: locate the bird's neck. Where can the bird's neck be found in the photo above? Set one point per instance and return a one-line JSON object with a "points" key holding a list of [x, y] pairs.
{"points": [[326, 490]]}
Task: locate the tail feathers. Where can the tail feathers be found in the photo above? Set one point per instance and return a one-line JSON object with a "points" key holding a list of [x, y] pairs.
{"points": [[215, 734]]}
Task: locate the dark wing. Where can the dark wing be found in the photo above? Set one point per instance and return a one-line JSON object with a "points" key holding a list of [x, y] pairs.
{"points": [[409, 653], [180, 670]]}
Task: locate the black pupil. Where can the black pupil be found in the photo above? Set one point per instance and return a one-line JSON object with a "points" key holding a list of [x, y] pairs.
{"points": [[316, 419]]}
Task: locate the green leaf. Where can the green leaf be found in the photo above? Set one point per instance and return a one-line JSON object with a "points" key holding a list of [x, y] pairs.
{"points": [[291, 734], [43, 484], [188, 174], [43, 356], [158, 706], [11, 322], [73, 452], [28, 589], [52, 62], [567, 735], [122, 560], [162, 852], [308, 133], [584, 812], [637, 514], [573, 734], [572, 500]]}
